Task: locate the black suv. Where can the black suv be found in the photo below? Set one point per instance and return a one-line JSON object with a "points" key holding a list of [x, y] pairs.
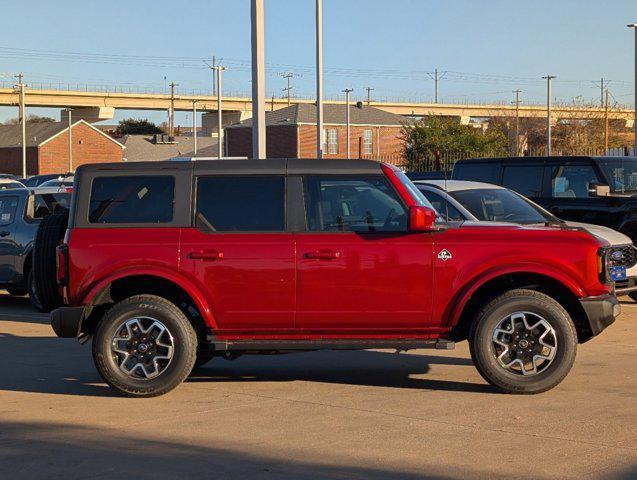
{"points": [[598, 190], [21, 212]]}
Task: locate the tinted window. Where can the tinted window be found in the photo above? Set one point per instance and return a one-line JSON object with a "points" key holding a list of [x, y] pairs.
{"points": [[498, 205], [42, 205], [442, 205], [621, 173], [8, 207], [526, 180], [478, 172], [242, 204], [132, 199], [572, 181], [356, 204]]}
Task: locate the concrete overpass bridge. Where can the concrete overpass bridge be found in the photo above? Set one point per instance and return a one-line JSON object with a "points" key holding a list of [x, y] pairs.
{"points": [[97, 106]]}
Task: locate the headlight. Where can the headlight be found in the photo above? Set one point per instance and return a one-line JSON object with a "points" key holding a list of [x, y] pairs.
{"points": [[604, 263]]}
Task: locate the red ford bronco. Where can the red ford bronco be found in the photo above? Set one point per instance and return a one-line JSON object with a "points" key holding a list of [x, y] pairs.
{"points": [[167, 265]]}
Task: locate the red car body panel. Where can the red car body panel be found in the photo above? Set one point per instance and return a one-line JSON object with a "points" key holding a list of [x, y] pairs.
{"points": [[330, 285]]}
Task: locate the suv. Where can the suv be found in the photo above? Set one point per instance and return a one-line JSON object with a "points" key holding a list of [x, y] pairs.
{"points": [[167, 265], [21, 212]]}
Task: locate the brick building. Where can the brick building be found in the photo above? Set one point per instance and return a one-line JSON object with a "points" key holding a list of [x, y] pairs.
{"points": [[291, 133], [48, 147]]}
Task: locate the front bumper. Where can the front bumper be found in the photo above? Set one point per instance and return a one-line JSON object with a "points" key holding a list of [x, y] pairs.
{"points": [[624, 287], [67, 321], [600, 312]]}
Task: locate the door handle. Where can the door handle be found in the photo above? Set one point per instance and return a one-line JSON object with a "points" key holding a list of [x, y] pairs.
{"points": [[4, 233], [323, 254], [206, 255]]}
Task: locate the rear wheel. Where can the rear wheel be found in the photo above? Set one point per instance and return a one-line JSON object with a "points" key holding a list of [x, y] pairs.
{"points": [[144, 346], [523, 342], [33, 293], [49, 235]]}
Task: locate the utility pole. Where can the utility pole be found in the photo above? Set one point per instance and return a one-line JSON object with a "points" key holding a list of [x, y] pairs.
{"points": [[272, 104], [258, 80], [369, 95], [548, 79], [435, 77], [517, 121], [634, 27], [606, 123], [68, 111], [319, 78], [347, 91], [601, 89], [171, 122], [194, 127], [213, 69], [288, 90], [23, 124], [220, 69]]}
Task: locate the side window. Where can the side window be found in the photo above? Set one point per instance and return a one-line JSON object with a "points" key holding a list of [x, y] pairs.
{"points": [[526, 180], [478, 172], [132, 199], [572, 181], [353, 204], [41, 205], [8, 207], [241, 203], [442, 206]]}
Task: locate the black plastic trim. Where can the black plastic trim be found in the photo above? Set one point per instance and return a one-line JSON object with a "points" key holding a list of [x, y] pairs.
{"points": [[67, 321], [334, 344], [600, 312]]}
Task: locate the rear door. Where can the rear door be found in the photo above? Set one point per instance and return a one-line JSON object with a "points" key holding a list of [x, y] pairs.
{"points": [[359, 270], [240, 253], [8, 248]]}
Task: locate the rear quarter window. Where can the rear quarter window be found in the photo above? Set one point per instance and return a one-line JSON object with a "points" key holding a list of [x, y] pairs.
{"points": [[477, 172], [8, 207], [132, 199]]}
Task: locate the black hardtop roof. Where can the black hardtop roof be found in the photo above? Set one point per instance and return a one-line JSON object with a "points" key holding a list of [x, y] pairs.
{"points": [[253, 166], [552, 159]]}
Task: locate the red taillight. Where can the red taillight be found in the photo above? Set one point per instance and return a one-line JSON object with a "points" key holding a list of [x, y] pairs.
{"points": [[62, 264], [69, 190]]}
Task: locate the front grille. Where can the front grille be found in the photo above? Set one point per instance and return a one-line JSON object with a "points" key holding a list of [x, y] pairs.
{"points": [[627, 259]]}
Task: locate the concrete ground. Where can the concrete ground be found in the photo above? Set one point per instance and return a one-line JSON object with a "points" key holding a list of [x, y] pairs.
{"points": [[367, 415]]}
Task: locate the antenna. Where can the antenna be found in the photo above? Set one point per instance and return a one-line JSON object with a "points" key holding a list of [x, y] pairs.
{"points": [[444, 166]]}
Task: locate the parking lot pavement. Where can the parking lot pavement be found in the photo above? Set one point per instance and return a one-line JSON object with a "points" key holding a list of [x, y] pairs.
{"points": [[367, 415]]}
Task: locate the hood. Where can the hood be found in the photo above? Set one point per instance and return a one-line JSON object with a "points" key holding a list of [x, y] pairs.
{"points": [[611, 236]]}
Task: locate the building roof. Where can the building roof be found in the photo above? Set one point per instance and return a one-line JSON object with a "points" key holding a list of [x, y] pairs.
{"points": [[38, 133], [333, 114], [141, 147]]}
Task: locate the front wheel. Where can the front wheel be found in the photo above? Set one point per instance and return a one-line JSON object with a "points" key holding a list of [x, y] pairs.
{"points": [[144, 346], [523, 342]]}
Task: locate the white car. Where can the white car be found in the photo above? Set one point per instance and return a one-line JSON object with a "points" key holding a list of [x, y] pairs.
{"points": [[8, 183], [64, 183], [460, 200]]}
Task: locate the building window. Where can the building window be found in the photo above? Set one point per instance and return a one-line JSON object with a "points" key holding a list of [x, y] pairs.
{"points": [[368, 142], [332, 141], [324, 140]]}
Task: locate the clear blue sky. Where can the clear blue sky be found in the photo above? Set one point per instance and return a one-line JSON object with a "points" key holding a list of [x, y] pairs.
{"points": [[489, 47]]}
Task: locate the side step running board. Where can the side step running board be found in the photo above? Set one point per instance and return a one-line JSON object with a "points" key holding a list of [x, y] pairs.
{"points": [[330, 344]]}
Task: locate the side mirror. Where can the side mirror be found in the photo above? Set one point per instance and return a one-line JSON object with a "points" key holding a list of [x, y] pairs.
{"points": [[598, 190], [421, 219]]}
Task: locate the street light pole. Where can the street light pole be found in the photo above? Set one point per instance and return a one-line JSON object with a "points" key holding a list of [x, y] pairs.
{"points": [[70, 141], [347, 91], [194, 127], [548, 79], [319, 78], [219, 114], [171, 126], [634, 27], [23, 124], [258, 80]]}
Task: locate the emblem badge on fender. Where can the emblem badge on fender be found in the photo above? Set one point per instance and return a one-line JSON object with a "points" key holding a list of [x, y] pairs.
{"points": [[444, 255]]}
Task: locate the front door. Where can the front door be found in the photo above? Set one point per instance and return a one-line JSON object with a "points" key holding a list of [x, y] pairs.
{"points": [[240, 253], [359, 270], [9, 249]]}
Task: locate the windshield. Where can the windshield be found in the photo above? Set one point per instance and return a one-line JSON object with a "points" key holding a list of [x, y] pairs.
{"points": [[621, 173], [501, 205]]}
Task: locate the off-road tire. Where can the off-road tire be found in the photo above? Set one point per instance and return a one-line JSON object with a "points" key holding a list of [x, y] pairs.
{"points": [[185, 346], [482, 350], [49, 235], [34, 299]]}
